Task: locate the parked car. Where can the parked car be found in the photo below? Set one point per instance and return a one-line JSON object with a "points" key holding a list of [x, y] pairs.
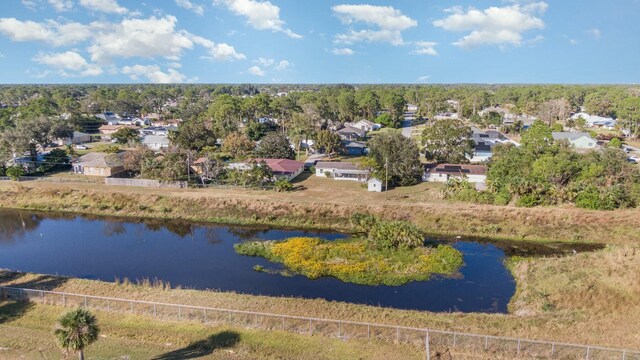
{"points": [[81, 147], [634, 159]]}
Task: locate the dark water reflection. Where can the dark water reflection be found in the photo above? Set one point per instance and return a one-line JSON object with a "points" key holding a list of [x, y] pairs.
{"points": [[201, 256]]}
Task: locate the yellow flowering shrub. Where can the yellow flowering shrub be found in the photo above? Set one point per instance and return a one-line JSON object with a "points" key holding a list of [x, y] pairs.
{"points": [[354, 261]]}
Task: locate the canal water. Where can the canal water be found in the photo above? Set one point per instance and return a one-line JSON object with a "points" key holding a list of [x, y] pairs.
{"points": [[201, 256]]}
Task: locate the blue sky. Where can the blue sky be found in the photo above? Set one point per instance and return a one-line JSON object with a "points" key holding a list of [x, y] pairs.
{"points": [[317, 41]]}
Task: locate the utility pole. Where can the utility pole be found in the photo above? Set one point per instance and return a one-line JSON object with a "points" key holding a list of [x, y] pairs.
{"points": [[189, 166], [386, 182]]}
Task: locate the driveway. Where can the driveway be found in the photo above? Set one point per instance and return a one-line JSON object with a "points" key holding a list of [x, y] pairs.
{"points": [[407, 127]]}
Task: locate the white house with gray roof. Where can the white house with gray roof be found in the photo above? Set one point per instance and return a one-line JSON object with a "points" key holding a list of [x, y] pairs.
{"points": [[579, 140], [341, 171]]}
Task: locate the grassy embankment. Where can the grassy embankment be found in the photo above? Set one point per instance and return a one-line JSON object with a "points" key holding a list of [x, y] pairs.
{"points": [[327, 204], [355, 262], [26, 333]]}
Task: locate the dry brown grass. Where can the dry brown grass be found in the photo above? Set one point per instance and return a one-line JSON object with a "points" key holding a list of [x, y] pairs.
{"points": [[328, 204]]}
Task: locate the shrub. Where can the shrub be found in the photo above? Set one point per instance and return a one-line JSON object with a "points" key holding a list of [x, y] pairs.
{"points": [[528, 200], [589, 198], [14, 172], [502, 198], [395, 235], [2, 170], [363, 222], [282, 185]]}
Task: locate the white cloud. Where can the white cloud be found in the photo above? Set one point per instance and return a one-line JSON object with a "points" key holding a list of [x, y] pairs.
{"points": [[387, 21], [261, 15], [425, 48], [495, 25], [175, 65], [255, 70], [106, 6], [146, 38], [535, 40], [218, 52], [68, 64], [265, 62], [50, 31], [29, 4], [153, 74], [153, 37], [283, 65], [342, 51], [573, 41], [198, 9], [595, 33], [1, 55], [61, 5], [423, 78]]}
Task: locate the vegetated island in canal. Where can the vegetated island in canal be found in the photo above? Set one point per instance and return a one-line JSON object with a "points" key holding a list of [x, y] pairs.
{"points": [[384, 253]]}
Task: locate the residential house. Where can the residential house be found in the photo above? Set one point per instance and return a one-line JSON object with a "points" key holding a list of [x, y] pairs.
{"points": [[527, 120], [446, 115], [366, 125], [155, 142], [493, 109], [99, 164], [341, 171], [595, 121], [158, 130], [108, 130], [375, 185], [77, 138], [483, 143], [354, 148], [109, 117], [281, 168], [445, 172], [579, 140], [351, 133]]}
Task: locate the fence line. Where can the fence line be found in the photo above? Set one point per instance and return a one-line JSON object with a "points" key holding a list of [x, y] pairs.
{"points": [[113, 181], [47, 179], [431, 340]]}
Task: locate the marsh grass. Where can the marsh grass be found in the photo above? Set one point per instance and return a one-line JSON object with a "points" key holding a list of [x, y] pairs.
{"points": [[355, 261]]}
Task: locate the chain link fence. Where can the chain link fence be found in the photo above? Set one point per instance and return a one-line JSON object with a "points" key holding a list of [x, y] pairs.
{"points": [[432, 341]]}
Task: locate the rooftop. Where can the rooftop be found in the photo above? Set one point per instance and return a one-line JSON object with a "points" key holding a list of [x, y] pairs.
{"points": [[458, 169], [569, 135], [281, 166], [98, 159], [336, 165]]}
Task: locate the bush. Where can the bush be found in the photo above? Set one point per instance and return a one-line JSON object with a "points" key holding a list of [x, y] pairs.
{"points": [[14, 172], [615, 143], [588, 199], [3, 171], [363, 222], [502, 198], [282, 185], [395, 235], [528, 200]]}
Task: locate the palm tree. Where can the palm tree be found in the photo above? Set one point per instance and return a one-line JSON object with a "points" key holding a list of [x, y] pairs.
{"points": [[76, 330]]}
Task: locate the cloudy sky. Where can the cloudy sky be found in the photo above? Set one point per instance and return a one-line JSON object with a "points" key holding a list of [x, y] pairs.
{"points": [[318, 41]]}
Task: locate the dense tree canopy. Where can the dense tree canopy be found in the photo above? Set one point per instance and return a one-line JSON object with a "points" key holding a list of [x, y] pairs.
{"points": [[396, 155], [275, 146], [448, 141]]}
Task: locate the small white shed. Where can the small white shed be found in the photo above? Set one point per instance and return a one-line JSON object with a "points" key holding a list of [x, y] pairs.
{"points": [[375, 185]]}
